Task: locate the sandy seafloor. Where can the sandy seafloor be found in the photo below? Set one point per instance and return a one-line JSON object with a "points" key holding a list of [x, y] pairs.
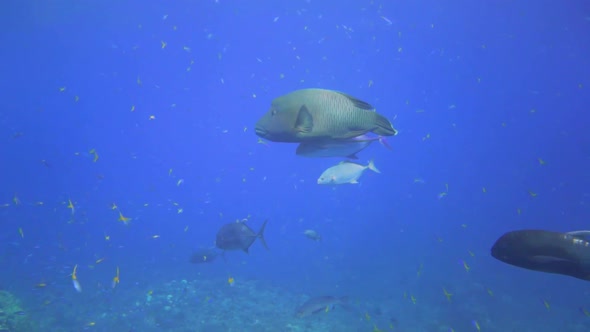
{"points": [[252, 305]]}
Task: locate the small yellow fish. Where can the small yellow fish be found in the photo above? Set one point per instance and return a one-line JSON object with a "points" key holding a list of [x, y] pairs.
{"points": [[93, 152], [71, 206], [490, 292], [123, 219], [116, 279], [532, 193], [476, 325], [114, 206], [541, 161], [447, 294], [413, 299], [231, 281], [547, 306], [467, 268], [163, 44], [20, 231], [100, 260]]}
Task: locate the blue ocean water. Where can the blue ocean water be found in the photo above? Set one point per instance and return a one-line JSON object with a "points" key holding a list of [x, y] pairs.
{"points": [[146, 110]]}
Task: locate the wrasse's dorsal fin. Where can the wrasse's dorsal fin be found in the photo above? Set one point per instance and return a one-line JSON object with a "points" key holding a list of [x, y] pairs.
{"points": [[580, 234]]}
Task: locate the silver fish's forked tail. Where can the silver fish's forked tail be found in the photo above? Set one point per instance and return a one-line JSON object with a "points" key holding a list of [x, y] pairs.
{"points": [[372, 167], [384, 126], [260, 235]]}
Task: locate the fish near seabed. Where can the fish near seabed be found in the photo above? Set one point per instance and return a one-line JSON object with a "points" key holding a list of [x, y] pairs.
{"points": [[345, 172], [546, 251], [320, 304], [238, 236], [318, 114]]}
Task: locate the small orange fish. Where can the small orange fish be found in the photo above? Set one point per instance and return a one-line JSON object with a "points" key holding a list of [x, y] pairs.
{"points": [[123, 219], [116, 279]]}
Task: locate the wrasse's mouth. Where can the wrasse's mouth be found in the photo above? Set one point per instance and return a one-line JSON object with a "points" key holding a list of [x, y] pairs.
{"points": [[260, 132]]}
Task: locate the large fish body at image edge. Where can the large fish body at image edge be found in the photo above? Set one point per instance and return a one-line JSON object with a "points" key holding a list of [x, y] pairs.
{"points": [[546, 251], [239, 236], [347, 148], [318, 114]]}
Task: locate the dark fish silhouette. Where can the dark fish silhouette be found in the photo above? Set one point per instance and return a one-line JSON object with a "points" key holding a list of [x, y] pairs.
{"points": [[238, 236], [204, 255], [347, 148], [320, 304], [546, 251]]}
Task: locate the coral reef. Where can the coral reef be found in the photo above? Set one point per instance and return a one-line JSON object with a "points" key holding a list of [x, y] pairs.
{"points": [[12, 317]]}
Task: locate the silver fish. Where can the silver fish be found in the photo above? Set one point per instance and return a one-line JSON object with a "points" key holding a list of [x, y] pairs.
{"points": [[345, 172], [312, 235]]}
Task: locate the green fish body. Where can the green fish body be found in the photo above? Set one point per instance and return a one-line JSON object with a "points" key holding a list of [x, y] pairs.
{"points": [[317, 114]]}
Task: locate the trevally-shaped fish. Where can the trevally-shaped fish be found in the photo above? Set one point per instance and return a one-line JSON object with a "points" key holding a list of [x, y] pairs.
{"points": [[345, 172], [238, 236]]}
